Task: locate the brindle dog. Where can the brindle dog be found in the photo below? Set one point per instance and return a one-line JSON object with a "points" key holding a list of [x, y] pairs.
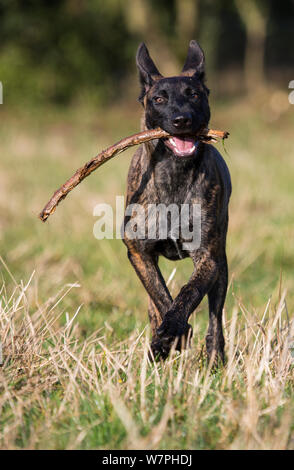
{"points": [[180, 170]]}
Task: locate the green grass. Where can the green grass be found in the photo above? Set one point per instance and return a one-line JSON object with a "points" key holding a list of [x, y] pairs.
{"points": [[89, 385]]}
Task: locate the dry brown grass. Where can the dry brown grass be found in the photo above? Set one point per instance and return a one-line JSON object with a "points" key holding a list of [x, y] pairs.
{"points": [[50, 372]]}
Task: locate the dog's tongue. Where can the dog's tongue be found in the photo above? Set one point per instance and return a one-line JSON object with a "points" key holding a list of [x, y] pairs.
{"points": [[182, 146], [185, 144]]}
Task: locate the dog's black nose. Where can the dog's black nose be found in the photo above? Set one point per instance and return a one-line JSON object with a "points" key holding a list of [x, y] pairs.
{"points": [[182, 121]]}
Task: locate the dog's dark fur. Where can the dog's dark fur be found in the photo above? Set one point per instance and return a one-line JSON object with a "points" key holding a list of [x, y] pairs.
{"points": [[179, 105]]}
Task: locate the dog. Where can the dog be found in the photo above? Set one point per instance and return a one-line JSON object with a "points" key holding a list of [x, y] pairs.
{"points": [[179, 170]]}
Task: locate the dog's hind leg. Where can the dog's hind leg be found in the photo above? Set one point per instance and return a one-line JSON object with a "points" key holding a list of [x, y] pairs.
{"points": [[216, 298]]}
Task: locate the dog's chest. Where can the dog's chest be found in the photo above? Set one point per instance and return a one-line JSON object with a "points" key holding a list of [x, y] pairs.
{"points": [[177, 182]]}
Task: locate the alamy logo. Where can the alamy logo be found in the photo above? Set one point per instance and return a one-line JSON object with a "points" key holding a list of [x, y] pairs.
{"points": [[153, 222], [291, 94]]}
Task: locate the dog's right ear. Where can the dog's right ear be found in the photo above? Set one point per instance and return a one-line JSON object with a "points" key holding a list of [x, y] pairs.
{"points": [[148, 72]]}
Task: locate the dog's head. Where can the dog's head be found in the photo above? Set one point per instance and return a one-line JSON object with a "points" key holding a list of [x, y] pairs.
{"points": [[179, 104]]}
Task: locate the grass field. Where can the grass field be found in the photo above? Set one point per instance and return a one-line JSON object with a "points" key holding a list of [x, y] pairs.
{"points": [[73, 316]]}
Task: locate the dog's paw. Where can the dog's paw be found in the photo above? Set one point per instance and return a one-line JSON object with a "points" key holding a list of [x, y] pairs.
{"points": [[160, 350], [171, 332]]}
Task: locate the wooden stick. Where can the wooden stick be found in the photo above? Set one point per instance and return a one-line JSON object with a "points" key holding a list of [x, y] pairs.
{"points": [[206, 135]]}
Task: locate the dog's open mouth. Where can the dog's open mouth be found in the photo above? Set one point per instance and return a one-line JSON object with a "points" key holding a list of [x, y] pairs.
{"points": [[182, 146]]}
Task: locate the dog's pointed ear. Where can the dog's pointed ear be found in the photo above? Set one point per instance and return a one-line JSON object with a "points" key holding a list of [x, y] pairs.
{"points": [[148, 72], [195, 62]]}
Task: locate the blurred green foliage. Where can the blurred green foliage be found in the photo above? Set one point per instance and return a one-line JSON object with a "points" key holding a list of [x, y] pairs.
{"points": [[66, 50]]}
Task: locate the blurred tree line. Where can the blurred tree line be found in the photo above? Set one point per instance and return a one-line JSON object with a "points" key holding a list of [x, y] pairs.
{"points": [[64, 51]]}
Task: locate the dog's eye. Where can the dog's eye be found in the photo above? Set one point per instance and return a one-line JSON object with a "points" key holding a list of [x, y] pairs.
{"points": [[159, 99], [191, 93]]}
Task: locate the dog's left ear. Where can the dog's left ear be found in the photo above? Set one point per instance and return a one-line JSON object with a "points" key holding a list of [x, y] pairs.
{"points": [[148, 72], [195, 62]]}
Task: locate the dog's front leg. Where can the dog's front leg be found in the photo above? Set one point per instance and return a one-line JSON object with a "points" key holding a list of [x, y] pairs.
{"points": [[154, 317], [146, 267], [149, 273], [175, 323], [160, 300]]}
